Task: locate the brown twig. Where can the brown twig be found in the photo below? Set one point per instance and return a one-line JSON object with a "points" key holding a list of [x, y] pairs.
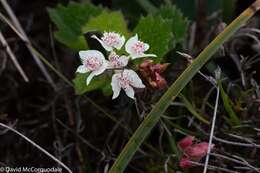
{"points": [[18, 26], [37, 146], [12, 57]]}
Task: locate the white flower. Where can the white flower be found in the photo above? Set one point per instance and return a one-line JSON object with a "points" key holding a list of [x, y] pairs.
{"points": [[111, 40], [93, 61], [127, 80], [136, 48], [116, 61]]}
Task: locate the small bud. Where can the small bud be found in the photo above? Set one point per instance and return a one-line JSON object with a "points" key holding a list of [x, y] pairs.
{"points": [[186, 142], [159, 68], [185, 163], [160, 81], [197, 151], [152, 73], [146, 63]]}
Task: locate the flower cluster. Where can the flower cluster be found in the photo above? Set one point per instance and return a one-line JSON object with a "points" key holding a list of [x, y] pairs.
{"points": [[95, 63], [191, 151]]}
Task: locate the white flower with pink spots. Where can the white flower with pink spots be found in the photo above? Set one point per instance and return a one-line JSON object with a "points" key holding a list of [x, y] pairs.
{"points": [[94, 62], [126, 80], [116, 61], [111, 40], [136, 48]]}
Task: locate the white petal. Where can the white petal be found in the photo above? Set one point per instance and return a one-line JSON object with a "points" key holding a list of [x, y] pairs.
{"points": [[101, 69], [115, 86], [130, 42], [97, 72], [82, 69], [83, 54], [90, 77], [124, 60], [105, 46], [121, 43], [134, 56], [134, 78], [130, 92], [146, 46]]}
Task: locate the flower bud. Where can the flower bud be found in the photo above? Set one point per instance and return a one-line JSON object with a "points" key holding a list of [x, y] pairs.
{"points": [[160, 81], [197, 151], [152, 73], [185, 163], [186, 142]]}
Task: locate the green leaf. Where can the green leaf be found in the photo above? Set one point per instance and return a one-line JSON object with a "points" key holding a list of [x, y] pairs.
{"points": [[155, 31], [107, 21], [70, 20], [228, 105], [179, 22], [98, 82]]}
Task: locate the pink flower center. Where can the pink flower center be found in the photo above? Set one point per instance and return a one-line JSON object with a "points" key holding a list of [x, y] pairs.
{"points": [[139, 47], [115, 61], [92, 63], [111, 39], [124, 82]]}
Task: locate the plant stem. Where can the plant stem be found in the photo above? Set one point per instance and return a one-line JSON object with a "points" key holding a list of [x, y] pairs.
{"points": [[37, 146], [211, 132], [150, 121]]}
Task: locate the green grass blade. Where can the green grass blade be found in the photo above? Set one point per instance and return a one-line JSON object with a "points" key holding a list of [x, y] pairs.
{"points": [[150, 121], [191, 109], [227, 105], [174, 146]]}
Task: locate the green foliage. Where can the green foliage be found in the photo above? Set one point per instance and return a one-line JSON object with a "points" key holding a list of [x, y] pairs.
{"points": [[188, 8], [228, 10], [228, 106], [156, 31], [70, 20], [107, 21], [179, 22], [98, 82]]}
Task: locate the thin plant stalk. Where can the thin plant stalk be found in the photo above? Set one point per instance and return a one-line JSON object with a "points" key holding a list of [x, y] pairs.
{"points": [[153, 117], [18, 26], [211, 132], [12, 57], [37, 146]]}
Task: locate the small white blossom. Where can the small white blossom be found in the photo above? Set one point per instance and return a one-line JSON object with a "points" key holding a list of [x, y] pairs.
{"points": [[127, 80], [116, 61], [111, 40], [136, 48], [92, 61]]}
